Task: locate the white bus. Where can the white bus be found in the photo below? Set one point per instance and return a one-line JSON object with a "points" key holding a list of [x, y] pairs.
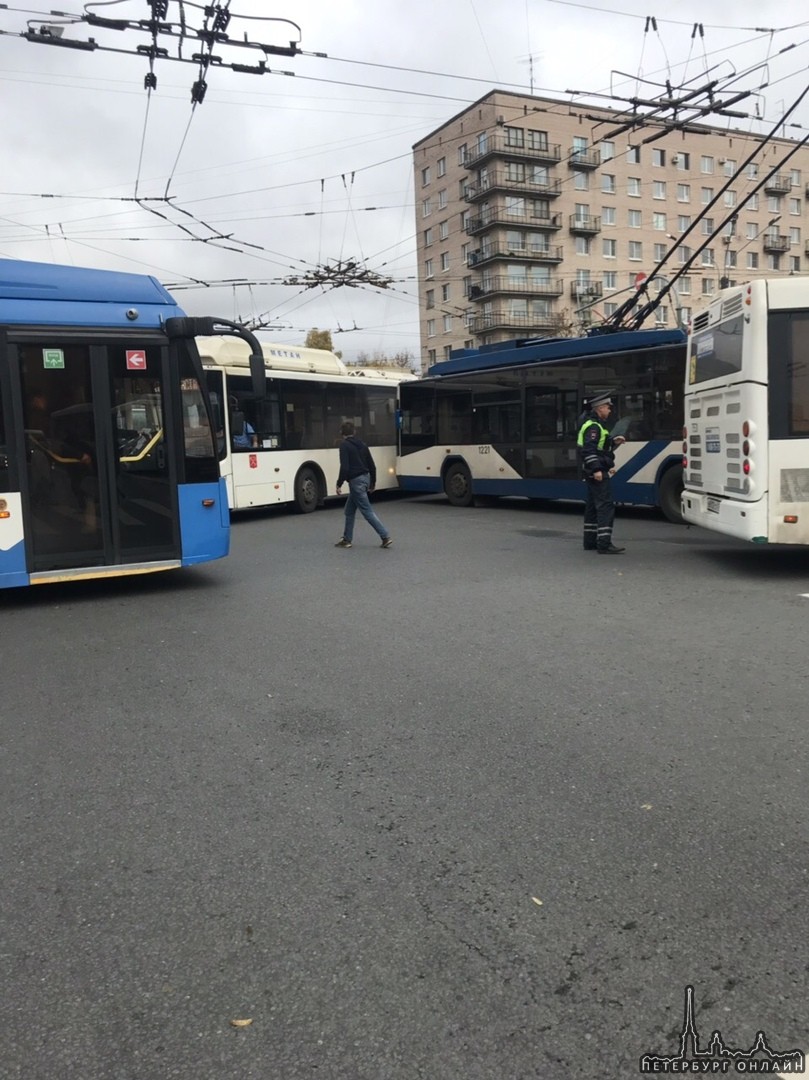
{"points": [[283, 448], [746, 433]]}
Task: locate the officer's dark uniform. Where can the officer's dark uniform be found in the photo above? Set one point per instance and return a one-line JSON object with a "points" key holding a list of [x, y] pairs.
{"points": [[597, 454]]}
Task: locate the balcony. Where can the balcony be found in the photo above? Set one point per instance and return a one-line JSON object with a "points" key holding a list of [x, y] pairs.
{"points": [[585, 223], [528, 252], [583, 159], [778, 184], [500, 146], [515, 286], [586, 290], [775, 243], [499, 180], [499, 215], [506, 320]]}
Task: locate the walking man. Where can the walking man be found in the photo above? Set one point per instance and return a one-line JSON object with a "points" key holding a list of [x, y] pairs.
{"points": [[596, 449], [358, 469]]}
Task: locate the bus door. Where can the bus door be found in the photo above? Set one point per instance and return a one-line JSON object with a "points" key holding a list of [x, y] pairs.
{"points": [[101, 484]]}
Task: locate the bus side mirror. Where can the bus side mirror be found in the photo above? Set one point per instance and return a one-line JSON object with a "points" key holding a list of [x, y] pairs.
{"points": [[257, 375]]}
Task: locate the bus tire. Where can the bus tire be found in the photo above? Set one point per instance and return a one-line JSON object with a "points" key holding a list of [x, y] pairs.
{"points": [[458, 485], [307, 491], [669, 492]]}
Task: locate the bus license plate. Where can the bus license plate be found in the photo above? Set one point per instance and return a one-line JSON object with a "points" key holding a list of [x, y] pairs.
{"points": [[713, 506]]}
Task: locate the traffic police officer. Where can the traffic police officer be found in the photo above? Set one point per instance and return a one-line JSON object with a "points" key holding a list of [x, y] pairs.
{"points": [[596, 448]]}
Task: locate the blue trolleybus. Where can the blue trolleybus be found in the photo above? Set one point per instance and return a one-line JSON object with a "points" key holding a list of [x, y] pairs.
{"points": [[503, 419], [108, 457]]}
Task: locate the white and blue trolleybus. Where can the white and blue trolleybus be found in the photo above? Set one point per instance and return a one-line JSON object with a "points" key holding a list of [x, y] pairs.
{"points": [[109, 462], [503, 419]]}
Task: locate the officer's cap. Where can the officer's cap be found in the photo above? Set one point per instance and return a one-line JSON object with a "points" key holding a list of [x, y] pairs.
{"points": [[600, 399]]}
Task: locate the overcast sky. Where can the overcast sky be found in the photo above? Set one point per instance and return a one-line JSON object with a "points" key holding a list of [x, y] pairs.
{"points": [[316, 168]]}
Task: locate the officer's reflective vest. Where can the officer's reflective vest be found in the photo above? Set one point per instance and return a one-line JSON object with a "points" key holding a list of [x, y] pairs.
{"points": [[602, 439]]}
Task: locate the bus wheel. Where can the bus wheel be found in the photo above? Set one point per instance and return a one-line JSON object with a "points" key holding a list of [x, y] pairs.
{"points": [[307, 491], [458, 485], [671, 488]]}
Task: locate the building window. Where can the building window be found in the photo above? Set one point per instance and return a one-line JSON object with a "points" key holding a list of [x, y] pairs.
{"points": [[751, 230], [441, 166], [661, 316], [463, 149], [729, 166], [466, 216], [706, 194], [794, 237], [610, 279], [537, 140], [683, 193], [428, 237], [795, 263], [706, 226], [633, 186], [608, 183], [707, 257], [426, 208], [635, 250], [447, 324], [633, 155], [431, 328], [610, 308], [445, 290], [659, 189], [683, 161], [515, 172], [635, 219], [752, 171], [428, 268], [659, 252], [684, 254], [730, 198], [685, 316], [684, 285], [443, 229], [774, 204], [752, 202], [425, 176], [683, 222], [515, 206], [706, 165], [514, 136], [773, 262], [659, 222], [795, 177], [730, 260], [447, 352], [708, 286], [429, 298], [608, 249], [445, 260], [442, 199], [795, 206], [607, 149], [658, 157], [607, 215], [430, 357], [581, 181], [582, 245]]}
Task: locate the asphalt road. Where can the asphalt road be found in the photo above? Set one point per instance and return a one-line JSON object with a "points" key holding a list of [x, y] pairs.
{"points": [[479, 806]]}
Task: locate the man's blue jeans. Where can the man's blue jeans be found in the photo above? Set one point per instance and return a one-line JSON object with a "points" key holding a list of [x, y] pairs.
{"points": [[358, 499]]}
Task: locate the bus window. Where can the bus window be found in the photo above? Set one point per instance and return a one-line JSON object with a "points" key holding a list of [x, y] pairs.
{"points": [[304, 426], [418, 429], [496, 418], [453, 414], [5, 478], [342, 403], [379, 415], [789, 375]]}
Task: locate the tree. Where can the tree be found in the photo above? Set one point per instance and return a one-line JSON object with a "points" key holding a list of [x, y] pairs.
{"points": [[320, 339], [404, 360]]}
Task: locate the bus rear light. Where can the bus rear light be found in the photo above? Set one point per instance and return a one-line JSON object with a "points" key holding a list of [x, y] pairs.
{"points": [[746, 448], [790, 519], [685, 433], [748, 428], [747, 467], [4, 510], [685, 462], [207, 503]]}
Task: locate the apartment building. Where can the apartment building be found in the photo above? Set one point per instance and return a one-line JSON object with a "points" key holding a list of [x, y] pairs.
{"points": [[534, 218]]}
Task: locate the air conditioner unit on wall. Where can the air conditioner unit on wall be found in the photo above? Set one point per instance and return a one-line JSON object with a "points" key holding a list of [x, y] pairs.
{"points": [[675, 159]]}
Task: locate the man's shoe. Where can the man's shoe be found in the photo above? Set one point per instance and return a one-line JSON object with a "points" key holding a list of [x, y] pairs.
{"points": [[342, 542], [590, 547], [611, 550], [387, 541]]}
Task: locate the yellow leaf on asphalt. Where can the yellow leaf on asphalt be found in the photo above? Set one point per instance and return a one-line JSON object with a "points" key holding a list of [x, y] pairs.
{"points": [[537, 901], [646, 806], [241, 1023]]}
